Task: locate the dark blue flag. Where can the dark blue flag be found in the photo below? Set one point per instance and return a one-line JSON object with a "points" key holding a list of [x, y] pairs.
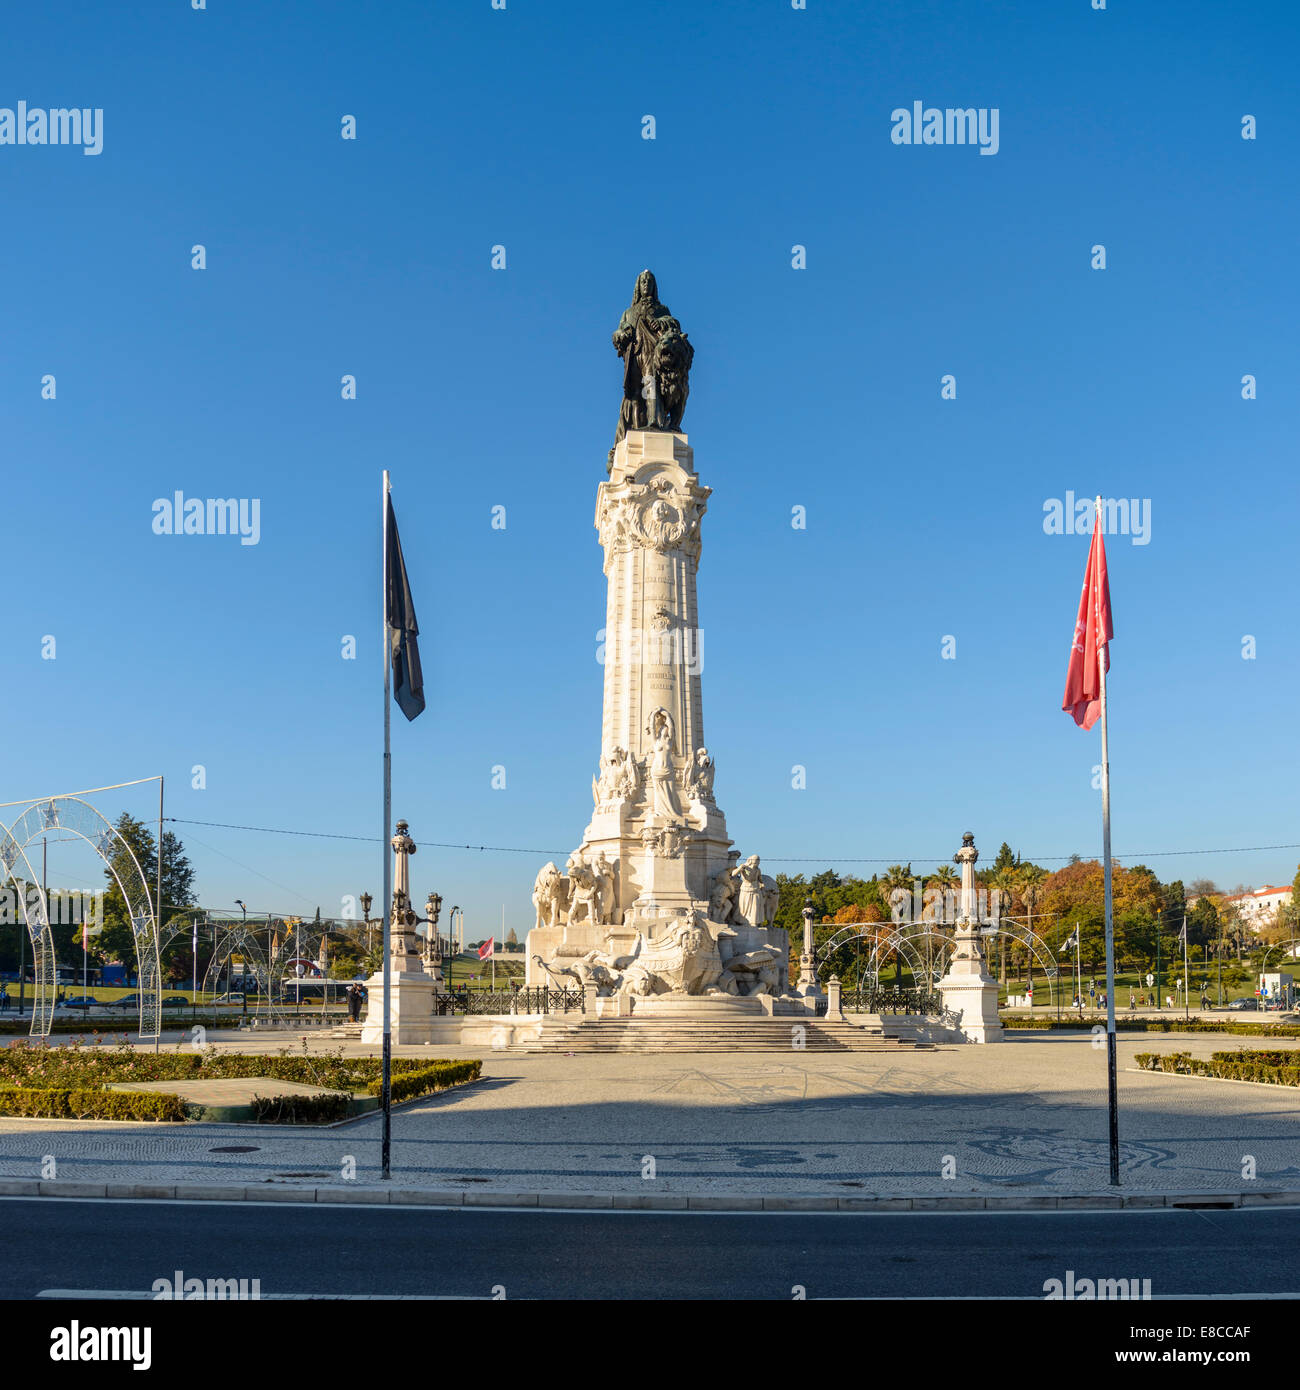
{"points": [[403, 630]]}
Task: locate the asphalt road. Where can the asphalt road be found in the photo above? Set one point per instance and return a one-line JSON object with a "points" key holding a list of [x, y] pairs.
{"points": [[104, 1245]]}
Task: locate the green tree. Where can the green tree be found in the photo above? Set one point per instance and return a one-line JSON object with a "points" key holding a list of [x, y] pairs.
{"points": [[1005, 859], [117, 941]]}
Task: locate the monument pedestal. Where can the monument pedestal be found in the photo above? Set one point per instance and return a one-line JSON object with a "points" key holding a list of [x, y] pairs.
{"points": [[412, 1008], [968, 990]]}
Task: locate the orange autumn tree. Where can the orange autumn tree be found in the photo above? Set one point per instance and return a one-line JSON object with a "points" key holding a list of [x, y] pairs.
{"points": [[1076, 894]]}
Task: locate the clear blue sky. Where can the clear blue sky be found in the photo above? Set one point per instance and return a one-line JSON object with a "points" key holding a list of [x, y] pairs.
{"points": [[818, 388]]}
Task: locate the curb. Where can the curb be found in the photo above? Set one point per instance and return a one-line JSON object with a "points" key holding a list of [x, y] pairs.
{"points": [[1223, 1080], [356, 1194]]}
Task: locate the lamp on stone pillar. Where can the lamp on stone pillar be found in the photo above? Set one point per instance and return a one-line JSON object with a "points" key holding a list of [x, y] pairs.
{"points": [[411, 989], [808, 985], [366, 900], [432, 941]]}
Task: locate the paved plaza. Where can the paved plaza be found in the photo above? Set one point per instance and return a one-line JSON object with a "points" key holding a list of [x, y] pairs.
{"points": [[1025, 1117]]}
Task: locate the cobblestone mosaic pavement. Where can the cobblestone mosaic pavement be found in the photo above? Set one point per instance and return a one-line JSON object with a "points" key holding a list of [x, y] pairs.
{"points": [[1024, 1117]]}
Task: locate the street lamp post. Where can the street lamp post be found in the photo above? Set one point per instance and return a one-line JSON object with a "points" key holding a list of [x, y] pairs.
{"points": [[366, 900], [432, 910], [243, 982]]}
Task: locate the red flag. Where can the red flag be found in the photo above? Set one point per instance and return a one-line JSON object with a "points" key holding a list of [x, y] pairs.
{"points": [[487, 949], [1092, 630]]}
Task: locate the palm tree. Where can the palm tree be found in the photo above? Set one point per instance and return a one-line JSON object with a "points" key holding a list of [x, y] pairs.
{"points": [[1029, 881], [1002, 888], [895, 877], [1029, 884], [945, 876]]}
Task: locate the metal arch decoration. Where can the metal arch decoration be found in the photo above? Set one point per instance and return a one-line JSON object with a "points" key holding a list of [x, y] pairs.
{"points": [[36, 917], [885, 936], [242, 940], [1027, 936], [903, 937], [83, 820]]}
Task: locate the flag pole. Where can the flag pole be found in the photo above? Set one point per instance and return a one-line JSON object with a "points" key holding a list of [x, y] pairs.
{"points": [[386, 645], [1112, 1091]]}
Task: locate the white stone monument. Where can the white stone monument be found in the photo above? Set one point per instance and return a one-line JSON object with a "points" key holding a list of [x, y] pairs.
{"points": [[967, 988], [412, 989], [653, 900]]}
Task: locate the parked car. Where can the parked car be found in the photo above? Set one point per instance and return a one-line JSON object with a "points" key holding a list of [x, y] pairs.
{"points": [[127, 1001], [1243, 1004], [175, 1001], [229, 999], [81, 1001]]}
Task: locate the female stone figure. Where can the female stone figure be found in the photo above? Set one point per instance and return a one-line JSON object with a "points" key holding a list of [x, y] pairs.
{"points": [[751, 904], [665, 801]]}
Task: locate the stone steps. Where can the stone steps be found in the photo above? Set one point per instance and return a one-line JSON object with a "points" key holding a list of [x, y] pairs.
{"points": [[749, 1035]]}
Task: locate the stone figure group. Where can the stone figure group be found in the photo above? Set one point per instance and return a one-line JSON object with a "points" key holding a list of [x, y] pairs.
{"points": [[586, 890], [668, 790], [697, 776], [744, 894], [619, 779], [690, 955]]}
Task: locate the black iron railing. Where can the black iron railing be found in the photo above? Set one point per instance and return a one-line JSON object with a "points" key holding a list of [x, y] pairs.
{"points": [[538, 999], [883, 1000]]}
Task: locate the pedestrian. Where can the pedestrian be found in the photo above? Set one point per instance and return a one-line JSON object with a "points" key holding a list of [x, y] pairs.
{"points": [[4, 1000]]}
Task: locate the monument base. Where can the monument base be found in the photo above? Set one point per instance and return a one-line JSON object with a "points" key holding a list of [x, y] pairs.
{"points": [[969, 991], [411, 1010]]}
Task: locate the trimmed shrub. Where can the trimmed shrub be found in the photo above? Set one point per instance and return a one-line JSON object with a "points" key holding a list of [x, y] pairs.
{"points": [[1157, 1025], [1228, 1066], [70, 1104], [429, 1077], [300, 1110]]}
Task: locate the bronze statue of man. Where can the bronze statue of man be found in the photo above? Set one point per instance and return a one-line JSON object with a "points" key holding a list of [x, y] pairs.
{"points": [[657, 358]]}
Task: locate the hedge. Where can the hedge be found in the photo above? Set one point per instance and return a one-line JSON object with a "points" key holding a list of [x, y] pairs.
{"points": [[429, 1077], [1272, 1068], [43, 1081], [69, 1104], [300, 1110], [94, 1066], [1158, 1025]]}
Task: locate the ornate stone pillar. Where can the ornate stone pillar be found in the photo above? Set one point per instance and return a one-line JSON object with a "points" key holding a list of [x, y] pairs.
{"points": [[412, 990], [967, 988], [655, 773]]}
